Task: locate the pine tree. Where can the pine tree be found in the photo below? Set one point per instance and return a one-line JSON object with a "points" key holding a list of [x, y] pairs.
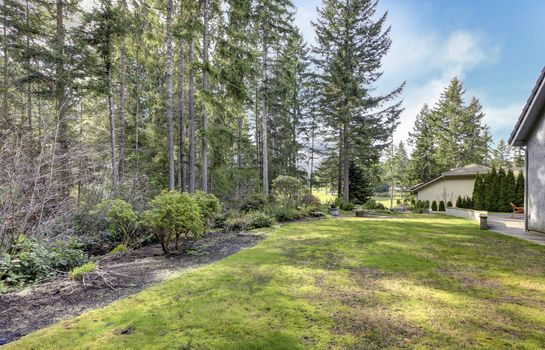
{"points": [[478, 195], [492, 191], [517, 157], [423, 166], [360, 190], [501, 155], [503, 200], [509, 190], [519, 192], [351, 44]]}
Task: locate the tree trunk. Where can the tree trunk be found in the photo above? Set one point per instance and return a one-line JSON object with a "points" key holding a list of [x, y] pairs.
{"points": [[346, 164], [112, 132], [264, 118], [5, 123], [204, 150], [29, 84], [340, 167], [170, 125], [239, 156], [191, 102], [182, 131], [122, 92], [137, 115], [60, 90]]}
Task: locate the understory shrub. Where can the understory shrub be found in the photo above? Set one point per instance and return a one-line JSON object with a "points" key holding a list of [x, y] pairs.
{"points": [[31, 260], [441, 206], [434, 205], [209, 205], [120, 218], [248, 221], [288, 191], [78, 272], [372, 204], [254, 202], [174, 215], [311, 200], [282, 214], [342, 205]]}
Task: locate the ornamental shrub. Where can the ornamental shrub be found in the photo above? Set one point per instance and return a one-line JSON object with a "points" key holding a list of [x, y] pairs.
{"points": [[120, 218], [519, 192], [441, 206], [282, 214], [254, 202], [449, 204], [288, 191], [459, 202], [174, 215], [434, 206], [209, 205], [248, 221]]}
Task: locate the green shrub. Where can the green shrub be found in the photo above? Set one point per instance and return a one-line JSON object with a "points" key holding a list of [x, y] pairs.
{"points": [[174, 215], [342, 205], [441, 206], [120, 248], [77, 273], [249, 221], [288, 191], [254, 202], [426, 204], [419, 204], [209, 205], [311, 200], [434, 206], [417, 210], [449, 204], [33, 260], [282, 214], [120, 218], [371, 204]]}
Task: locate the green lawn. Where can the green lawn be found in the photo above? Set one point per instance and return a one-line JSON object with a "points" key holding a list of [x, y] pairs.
{"points": [[414, 282]]}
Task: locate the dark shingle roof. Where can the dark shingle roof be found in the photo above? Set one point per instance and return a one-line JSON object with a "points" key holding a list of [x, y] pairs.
{"points": [[530, 114]]}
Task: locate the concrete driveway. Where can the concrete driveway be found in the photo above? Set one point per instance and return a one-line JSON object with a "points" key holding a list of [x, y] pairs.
{"points": [[504, 223]]}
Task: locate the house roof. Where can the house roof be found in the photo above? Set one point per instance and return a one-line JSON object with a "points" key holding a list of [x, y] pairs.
{"points": [[531, 113], [468, 170]]}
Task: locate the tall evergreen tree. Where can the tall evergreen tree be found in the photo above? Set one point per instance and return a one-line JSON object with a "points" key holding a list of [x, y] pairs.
{"points": [[423, 165], [519, 192], [351, 43], [492, 191]]}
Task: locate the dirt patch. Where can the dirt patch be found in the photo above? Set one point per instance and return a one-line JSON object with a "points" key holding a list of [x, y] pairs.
{"points": [[43, 304]]}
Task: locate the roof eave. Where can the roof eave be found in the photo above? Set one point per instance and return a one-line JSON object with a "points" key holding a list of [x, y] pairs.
{"points": [[530, 114]]}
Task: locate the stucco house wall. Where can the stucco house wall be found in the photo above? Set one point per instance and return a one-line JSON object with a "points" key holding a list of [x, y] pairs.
{"points": [[447, 189], [536, 177]]}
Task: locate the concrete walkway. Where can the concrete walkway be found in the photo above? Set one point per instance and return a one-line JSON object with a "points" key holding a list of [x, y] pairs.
{"points": [[513, 227]]}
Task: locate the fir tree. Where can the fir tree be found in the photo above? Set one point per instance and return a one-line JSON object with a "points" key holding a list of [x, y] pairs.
{"points": [[492, 191], [360, 190], [519, 192]]}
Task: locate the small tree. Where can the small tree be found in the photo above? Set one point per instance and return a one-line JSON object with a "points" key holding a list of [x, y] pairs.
{"points": [[434, 205], [508, 191], [478, 193], [441, 206], [492, 191], [503, 195], [459, 203], [173, 215], [519, 192], [288, 190]]}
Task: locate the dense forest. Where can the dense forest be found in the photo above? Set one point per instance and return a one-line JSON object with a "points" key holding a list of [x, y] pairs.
{"points": [[124, 99]]}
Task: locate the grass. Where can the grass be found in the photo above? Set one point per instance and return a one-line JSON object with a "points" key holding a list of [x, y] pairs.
{"points": [[416, 282], [323, 195], [77, 273], [386, 200]]}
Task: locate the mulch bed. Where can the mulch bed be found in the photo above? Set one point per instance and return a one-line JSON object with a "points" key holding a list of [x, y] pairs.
{"points": [[43, 304]]}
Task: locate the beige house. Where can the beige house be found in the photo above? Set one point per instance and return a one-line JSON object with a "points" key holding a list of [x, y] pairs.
{"points": [[448, 186]]}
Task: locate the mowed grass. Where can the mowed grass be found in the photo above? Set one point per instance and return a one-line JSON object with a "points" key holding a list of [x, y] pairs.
{"points": [[416, 282]]}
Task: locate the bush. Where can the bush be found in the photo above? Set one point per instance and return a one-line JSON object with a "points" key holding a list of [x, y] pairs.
{"points": [[249, 221], [254, 202], [371, 204], [120, 248], [119, 217], [419, 204], [342, 205], [79, 272], [417, 210], [282, 214], [434, 206], [426, 204], [449, 204], [288, 190], [33, 260], [209, 205], [310, 200], [174, 215], [441, 206]]}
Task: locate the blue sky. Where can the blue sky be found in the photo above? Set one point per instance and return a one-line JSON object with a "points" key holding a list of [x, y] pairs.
{"points": [[496, 47]]}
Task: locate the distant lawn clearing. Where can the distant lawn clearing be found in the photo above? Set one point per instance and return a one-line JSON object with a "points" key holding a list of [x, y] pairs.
{"points": [[349, 283]]}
